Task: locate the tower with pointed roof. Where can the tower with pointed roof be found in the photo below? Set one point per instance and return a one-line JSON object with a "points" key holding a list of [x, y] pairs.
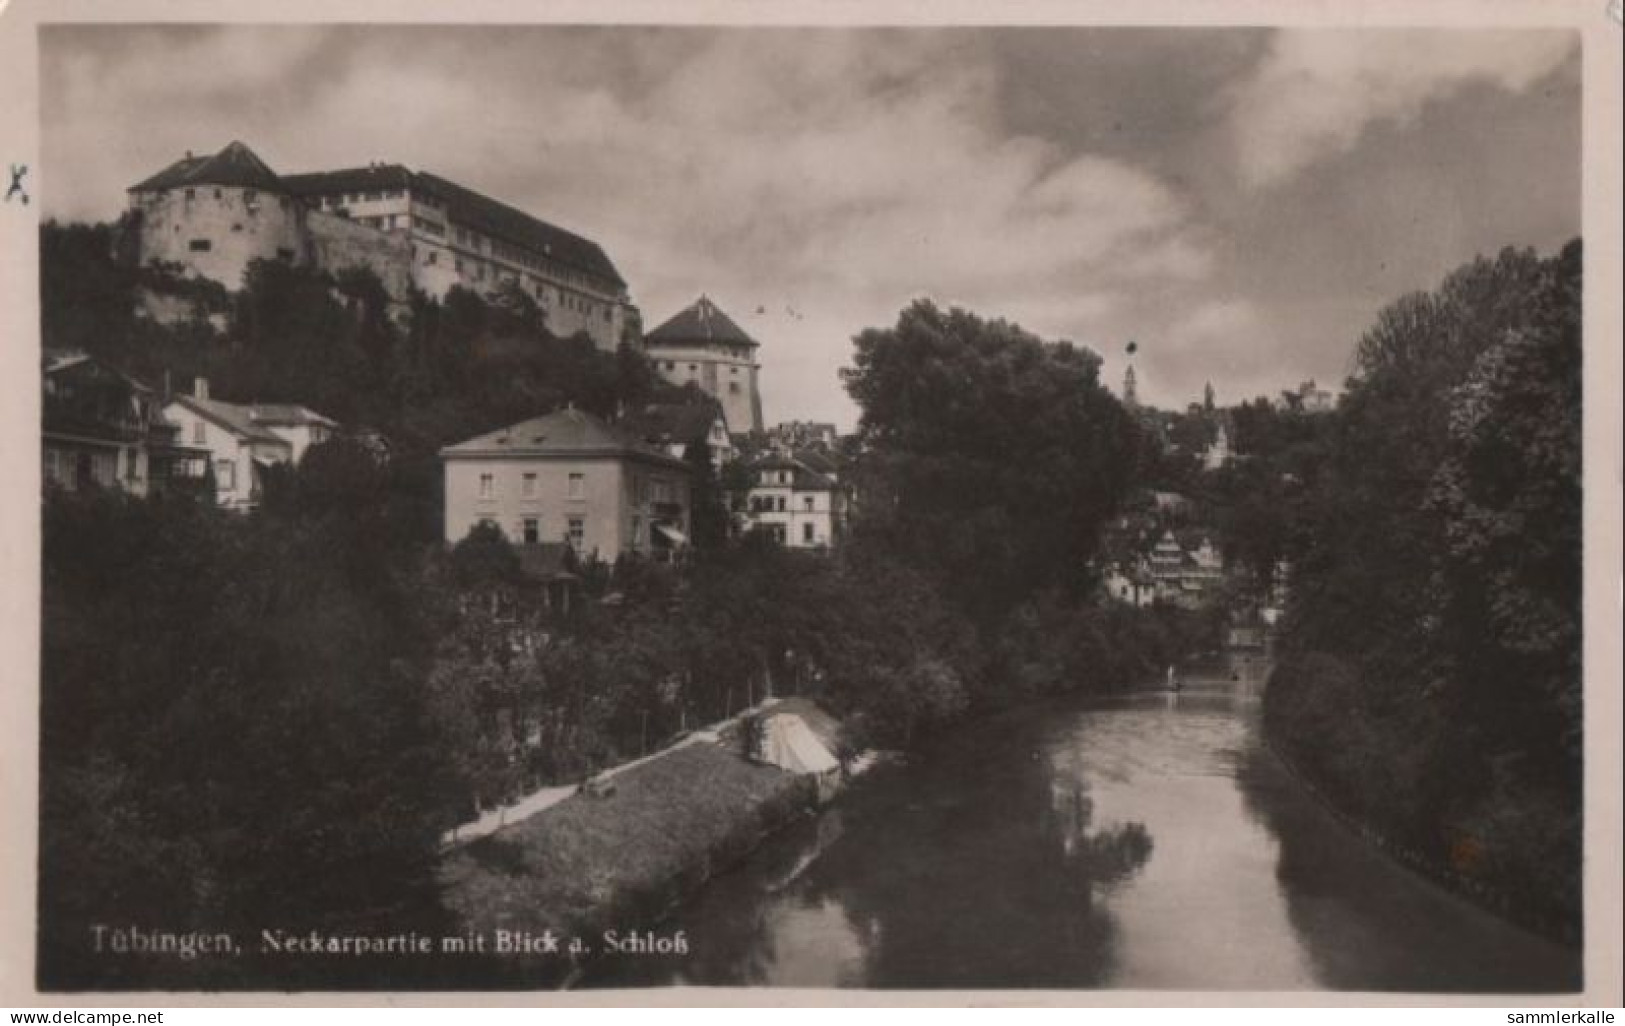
{"points": [[1131, 397], [702, 346]]}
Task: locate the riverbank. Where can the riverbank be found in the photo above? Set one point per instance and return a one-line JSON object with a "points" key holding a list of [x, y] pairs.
{"points": [[1464, 870], [618, 858]]}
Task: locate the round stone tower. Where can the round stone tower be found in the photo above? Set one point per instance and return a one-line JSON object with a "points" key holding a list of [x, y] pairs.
{"points": [[214, 215]]}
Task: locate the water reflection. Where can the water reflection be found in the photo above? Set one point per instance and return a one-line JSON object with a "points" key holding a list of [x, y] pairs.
{"points": [[1368, 924], [1146, 841], [973, 865]]}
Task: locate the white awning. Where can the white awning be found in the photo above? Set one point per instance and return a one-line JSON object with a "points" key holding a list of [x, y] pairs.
{"points": [[672, 534]]}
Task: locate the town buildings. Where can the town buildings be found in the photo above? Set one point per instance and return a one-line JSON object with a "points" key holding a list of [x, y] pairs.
{"points": [[1183, 569], [702, 346], [804, 434], [215, 215], [569, 476], [103, 428], [797, 505], [674, 427], [241, 440]]}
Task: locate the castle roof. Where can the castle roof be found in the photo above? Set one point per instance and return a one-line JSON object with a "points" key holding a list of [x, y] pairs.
{"points": [[703, 322], [236, 165], [468, 209], [567, 432]]}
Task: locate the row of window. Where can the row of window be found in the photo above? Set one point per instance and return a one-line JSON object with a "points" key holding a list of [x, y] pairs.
{"points": [[70, 469], [530, 486], [776, 531], [530, 530], [645, 489], [778, 504]]}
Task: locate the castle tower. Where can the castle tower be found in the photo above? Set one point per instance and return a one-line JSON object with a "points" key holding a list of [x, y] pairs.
{"points": [[215, 215], [702, 346]]}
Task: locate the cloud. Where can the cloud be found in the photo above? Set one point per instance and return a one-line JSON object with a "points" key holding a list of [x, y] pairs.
{"points": [[1316, 91]]}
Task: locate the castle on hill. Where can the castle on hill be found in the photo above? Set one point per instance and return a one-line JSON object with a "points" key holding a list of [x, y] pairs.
{"points": [[214, 215]]}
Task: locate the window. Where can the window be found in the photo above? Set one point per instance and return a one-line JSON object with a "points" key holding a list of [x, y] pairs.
{"points": [[532, 530], [578, 486], [807, 503], [577, 533], [488, 485], [200, 245], [250, 196], [191, 194], [637, 532], [200, 433], [807, 534], [780, 504], [432, 257], [225, 475], [733, 387], [527, 486]]}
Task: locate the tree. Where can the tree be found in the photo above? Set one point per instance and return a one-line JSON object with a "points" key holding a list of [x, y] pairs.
{"points": [[992, 457]]}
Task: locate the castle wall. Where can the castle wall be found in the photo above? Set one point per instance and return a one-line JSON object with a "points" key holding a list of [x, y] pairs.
{"points": [[337, 243], [216, 231]]}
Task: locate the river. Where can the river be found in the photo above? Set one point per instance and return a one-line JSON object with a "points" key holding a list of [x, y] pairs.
{"points": [[1146, 841]]}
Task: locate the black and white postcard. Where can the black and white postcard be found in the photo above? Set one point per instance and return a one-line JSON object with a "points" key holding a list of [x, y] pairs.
{"points": [[1059, 502]]}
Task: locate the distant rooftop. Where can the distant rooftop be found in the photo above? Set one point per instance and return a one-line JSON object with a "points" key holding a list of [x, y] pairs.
{"points": [[567, 432]]}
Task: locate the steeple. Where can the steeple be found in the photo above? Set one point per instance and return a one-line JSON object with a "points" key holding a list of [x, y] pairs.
{"points": [[1130, 396]]}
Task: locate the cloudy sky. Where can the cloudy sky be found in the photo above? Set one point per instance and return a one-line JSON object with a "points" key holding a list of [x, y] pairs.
{"points": [[1239, 202]]}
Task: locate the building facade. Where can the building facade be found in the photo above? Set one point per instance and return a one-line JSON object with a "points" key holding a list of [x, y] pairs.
{"points": [[799, 507], [570, 477], [703, 347], [241, 440], [215, 215], [675, 427], [104, 429]]}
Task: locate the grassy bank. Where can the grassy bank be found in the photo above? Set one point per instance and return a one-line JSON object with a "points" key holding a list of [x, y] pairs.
{"points": [[623, 859]]}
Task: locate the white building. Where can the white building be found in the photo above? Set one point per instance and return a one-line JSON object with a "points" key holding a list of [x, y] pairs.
{"points": [[800, 507], [242, 440]]}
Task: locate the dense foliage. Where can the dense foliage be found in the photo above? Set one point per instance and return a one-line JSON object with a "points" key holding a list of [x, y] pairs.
{"points": [[1431, 672]]}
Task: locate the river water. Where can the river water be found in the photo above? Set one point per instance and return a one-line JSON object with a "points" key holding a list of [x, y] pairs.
{"points": [[1146, 841]]}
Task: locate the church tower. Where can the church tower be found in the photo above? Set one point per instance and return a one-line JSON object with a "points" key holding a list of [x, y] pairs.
{"points": [[1131, 398]]}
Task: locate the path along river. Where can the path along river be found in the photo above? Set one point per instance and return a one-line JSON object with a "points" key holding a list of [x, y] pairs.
{"points": [[1146, 841]]}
